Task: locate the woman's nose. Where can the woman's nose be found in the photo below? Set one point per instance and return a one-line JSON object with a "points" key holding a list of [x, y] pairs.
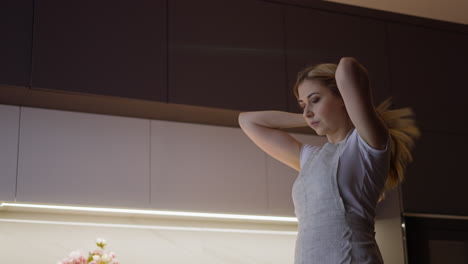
{"points": [[307, 112]]}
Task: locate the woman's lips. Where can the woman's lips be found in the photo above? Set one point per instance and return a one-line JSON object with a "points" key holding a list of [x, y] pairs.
{"points": [[314, 123]]}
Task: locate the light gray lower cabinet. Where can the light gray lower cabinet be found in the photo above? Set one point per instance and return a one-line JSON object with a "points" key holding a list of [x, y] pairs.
{"points": [[281, 179], [388, 228], [85, 159], [9, 122], [205, 168]]}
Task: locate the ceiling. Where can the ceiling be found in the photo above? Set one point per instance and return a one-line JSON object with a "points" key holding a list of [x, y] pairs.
{"points": [[445, 10]]}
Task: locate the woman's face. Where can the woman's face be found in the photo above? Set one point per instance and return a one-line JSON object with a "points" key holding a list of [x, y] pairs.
{"points": [[322, 110]]}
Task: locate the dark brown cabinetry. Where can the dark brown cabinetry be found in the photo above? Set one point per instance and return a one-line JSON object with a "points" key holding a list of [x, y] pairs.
{"points": [[429, 73], [227, 54], [436, 181], [314, 36], [15, 45], [101, 47]]}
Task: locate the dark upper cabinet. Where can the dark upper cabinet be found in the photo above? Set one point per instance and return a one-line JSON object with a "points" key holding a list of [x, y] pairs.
{"points": [[15, 47], [314, 36], [101, 47], [429, 74], [227, 54], [436, 180]]}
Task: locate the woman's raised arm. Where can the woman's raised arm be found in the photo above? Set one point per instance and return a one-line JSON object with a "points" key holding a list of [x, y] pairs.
{"points": [[353, 82], [262, 127]]}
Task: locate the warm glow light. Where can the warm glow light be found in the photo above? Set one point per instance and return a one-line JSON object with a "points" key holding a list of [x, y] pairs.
{"points": [[153, 212]]}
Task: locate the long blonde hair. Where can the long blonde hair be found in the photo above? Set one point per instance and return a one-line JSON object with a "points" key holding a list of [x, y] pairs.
{"points": [[400, 123]]}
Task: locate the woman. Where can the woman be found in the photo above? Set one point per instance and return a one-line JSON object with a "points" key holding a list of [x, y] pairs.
{"points": [[340, 183]]}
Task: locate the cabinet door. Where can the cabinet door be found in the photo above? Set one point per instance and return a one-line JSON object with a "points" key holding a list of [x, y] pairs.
{"points": [[226, 54], [205, 168], [315, 36], [281, 179], [105, 47], [428, 68], [436, 181], [9, 120], [388, 228], [84, 159], [15, 47]]}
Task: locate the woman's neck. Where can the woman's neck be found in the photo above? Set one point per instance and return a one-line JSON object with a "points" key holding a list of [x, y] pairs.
{"points": [[340, 134]]}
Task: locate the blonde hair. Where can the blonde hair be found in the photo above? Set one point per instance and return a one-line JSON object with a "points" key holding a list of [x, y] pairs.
{"points": [[399, 122]]}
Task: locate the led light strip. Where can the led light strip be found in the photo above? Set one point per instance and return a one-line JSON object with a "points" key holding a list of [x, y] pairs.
{"points": [[153, 212], [440, 216]]}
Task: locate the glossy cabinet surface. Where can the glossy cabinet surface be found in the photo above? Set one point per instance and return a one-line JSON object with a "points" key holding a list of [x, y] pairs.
{"points": [[227, 54], [428, 70], [101, 47], [206, 169], [435, 183], [15, 47], [85, 159], [9, 120]]}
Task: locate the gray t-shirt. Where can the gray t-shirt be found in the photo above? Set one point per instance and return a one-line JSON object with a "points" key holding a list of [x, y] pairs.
{"points": [[362, 172]]}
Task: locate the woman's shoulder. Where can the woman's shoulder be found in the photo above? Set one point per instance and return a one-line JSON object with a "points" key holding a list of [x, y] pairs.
{"points": [[306, 151], [364, 147]]}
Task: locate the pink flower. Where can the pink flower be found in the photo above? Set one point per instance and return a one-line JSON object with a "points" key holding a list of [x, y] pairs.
{"points": [[97, 251], [97, 256]]}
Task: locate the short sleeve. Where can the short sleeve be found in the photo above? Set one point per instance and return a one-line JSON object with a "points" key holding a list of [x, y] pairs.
{"points": [[364, 146], [306, 151]]}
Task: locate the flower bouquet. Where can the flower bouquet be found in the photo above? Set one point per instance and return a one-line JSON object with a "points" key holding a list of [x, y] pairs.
{"points": [[97, 256]]}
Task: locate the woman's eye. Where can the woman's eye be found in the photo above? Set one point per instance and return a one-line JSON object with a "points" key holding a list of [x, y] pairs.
{"points": [[314, 101]]}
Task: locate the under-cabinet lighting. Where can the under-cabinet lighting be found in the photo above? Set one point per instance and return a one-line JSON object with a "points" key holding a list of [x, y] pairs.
{"points": [[152, 212]]}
